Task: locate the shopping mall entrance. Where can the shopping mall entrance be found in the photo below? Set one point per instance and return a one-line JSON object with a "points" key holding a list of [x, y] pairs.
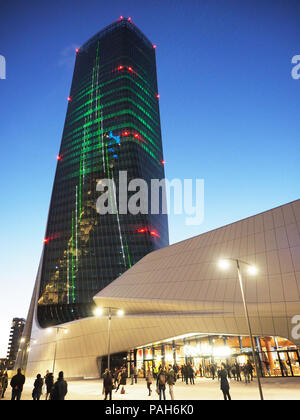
{"points": [[275, 356]]}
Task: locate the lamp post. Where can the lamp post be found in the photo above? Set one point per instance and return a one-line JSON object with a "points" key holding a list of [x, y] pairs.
{"points": [[65, 330], [224, 264], [110, 311]]}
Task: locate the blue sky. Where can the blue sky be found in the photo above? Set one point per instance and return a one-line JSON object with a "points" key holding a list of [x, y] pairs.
{"points": [[229, 112]]}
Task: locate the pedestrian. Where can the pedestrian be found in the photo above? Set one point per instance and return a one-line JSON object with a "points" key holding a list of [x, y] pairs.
{"points": [[161, 383], [171, 380], [182, 372], [267, 364], [186, 373], [149, 381], [49, 381], [176, 370], [224, 382], [238, 372], [107, 384], [122, 380], [213, 370], [37, 388], [17, 383], [191, 374], [200, 371], [250, 370], [246, 373], [131, 374], [59, 389], [233, 371], [4, 384]]}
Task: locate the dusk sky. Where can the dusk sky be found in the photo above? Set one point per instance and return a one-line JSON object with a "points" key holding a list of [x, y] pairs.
{"points": [[229, 112]]}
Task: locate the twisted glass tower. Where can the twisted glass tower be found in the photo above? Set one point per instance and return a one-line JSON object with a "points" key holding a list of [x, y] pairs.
{"points": [[112, 125]]}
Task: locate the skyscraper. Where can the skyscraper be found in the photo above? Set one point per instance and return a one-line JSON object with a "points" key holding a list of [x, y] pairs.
{"points": [[15, 335], [112, 125]]}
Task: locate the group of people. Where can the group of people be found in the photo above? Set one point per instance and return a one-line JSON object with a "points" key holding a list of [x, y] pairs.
{"points": [[161, 376], [53, 390], [233, 371], [187, 372]]}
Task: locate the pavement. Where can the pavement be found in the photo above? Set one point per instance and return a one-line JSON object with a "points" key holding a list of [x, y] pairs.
{"points": [[204, 389]]}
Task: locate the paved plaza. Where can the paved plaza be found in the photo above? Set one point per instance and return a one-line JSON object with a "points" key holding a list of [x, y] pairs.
{"points": [[204, 389]]}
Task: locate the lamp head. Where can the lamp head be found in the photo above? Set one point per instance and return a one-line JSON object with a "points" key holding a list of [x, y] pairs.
{"points": [[224, 264]]}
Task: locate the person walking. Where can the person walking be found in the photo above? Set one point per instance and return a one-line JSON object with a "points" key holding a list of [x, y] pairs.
{"points": [[4, 384], [182, 372], [37, 388], [213, 370], [107, 384], [191, 374], [176, 370], [17, 383], [149, 381], [131, 374], [250, 370], [267, 364], [122, 380], [238, 372], [59, 389], [246, 373], [224, 385], [171, 380], [161, 383], [49, 381]]}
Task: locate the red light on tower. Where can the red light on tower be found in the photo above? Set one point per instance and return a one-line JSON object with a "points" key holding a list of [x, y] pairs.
{"points": [[120, 67], [163, 162], [46, 240], [58, 157], [121, 18], [141, 230], [153, 233], [154, 46], [69, 99], [77, 50], [157, 95], [129, 19], [130, 69]]}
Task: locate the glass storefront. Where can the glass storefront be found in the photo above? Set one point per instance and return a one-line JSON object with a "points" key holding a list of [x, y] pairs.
{"points": [[275, 356]]}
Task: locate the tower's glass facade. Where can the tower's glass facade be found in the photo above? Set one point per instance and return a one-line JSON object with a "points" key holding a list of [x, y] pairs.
{"points": [[112, 125]]}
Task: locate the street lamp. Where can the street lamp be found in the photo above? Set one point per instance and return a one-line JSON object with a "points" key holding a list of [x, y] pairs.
{"points": [[225, 264], [98, 312], [50, 330]]}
